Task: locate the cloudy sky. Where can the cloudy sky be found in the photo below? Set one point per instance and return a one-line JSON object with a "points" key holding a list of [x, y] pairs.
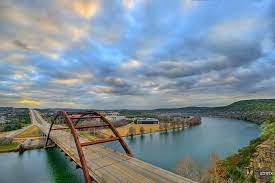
{"points": [[135, 54]]}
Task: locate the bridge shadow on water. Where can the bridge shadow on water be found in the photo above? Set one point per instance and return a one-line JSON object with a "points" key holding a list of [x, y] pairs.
{"points": [[61, 168]]}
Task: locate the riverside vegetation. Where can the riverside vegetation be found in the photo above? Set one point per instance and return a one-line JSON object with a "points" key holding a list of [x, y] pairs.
{"points": [[245, 165], [241, 167], [13, 118]]}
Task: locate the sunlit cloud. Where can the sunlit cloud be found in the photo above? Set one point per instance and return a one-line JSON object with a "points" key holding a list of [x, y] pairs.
{"points": [[66, 81], [131, 64], [86, 8], [30, 102], [135, 53], [129, 4], [18, 75], [69, 103], [36, 30], [103, 89]]}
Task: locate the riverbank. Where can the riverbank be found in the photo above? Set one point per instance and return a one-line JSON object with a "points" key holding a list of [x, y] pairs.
{"points": [[160, 149], [252, 163], [139, 129], [27, 144], [13, 147], [25, 139], [133, 129], [199, 142]]}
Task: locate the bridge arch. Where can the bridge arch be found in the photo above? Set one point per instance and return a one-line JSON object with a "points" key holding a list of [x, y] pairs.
{"points": [[72, 119]]}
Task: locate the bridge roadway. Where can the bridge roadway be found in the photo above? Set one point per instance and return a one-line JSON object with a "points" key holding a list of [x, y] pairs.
{"points": [[106, 165]]}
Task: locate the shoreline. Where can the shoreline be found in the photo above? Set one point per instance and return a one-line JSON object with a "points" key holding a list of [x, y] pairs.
{"points": [[27, 144], [41, 145], [220, 117], [159, 131]]}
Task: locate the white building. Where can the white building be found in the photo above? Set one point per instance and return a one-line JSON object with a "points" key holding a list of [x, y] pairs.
{"points": [[112, 116], [147, 121], [2, 120], [115, 118]]}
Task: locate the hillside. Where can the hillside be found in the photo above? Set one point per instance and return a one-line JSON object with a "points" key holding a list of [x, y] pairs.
{"points": [[251, 110], [255, 104], [260, 104], [246, 165], [255, 110]]}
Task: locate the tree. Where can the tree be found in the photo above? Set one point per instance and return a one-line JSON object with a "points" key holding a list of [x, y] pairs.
{"points": [[190, 169], [268, 127], [6, 140], [132, 131], [141, 130], [13, 125], [165, 127], [173, 124], [214, 171], [161, 126]]}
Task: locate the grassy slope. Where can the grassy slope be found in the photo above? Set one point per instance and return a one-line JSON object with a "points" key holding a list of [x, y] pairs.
{"points": [[8, 147], [125, 129], [30, 132]]}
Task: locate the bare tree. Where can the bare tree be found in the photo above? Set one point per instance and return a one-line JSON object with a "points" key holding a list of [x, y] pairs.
{"points": [[141, 130], [215, 172], [161, 126], [132, 131], [190, 169], [165, 127], [173, 124]]}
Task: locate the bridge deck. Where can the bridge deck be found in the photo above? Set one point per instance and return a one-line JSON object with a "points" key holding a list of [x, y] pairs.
{"points": [[106, 165]]}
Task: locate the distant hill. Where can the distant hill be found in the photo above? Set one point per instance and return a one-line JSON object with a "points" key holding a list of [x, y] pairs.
{"points": [[255, 104], [255, 110]]}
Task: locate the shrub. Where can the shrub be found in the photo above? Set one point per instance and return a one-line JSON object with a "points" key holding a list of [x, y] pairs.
{"points": [[12, 126], [141, 130], [6, 140], [132, 131]]}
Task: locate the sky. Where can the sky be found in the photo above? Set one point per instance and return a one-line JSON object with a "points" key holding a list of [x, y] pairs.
{"points": [[135, 54]]}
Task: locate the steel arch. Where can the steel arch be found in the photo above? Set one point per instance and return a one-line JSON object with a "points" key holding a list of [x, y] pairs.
{"points": [[69, 119]]}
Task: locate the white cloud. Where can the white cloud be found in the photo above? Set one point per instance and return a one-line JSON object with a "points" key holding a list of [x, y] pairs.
{"points": [[131, 64], [240, 30]]}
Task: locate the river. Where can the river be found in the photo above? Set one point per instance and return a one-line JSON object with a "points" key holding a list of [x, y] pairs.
{"points": [[219, 135]]}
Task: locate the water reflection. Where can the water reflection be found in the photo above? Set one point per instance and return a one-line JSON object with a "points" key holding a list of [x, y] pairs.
{"points": [[61, 169]]}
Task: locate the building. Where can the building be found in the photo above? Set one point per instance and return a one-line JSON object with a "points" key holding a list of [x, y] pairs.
{"points": [[112, 116], [2, 120], [110, 113], [147, 121], [115, 118]]}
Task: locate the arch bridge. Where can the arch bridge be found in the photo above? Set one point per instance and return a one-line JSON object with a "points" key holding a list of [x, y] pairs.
{"points": [[98, 162]]}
